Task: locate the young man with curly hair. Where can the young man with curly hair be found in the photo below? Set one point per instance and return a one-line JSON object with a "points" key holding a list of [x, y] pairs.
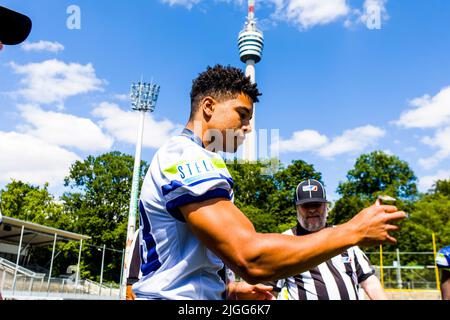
{"points": [[189, 227]]}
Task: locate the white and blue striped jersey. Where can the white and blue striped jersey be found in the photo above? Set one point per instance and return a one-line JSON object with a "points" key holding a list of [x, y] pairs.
{"points": [[174, 263]]}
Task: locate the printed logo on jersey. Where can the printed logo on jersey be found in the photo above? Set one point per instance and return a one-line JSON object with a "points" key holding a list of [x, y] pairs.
{"points": [[346, 260], [190, 171]]}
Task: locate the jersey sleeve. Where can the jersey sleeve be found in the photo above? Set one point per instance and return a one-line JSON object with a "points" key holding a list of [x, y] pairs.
{"points": [[362, 264], [443, 258], [194, 178]]}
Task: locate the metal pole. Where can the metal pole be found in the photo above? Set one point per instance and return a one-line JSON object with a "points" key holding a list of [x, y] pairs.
{"points": [[17, 260], [31, 286], [399, 275], [3, 280], [51, 263], [438, 282], [381, 266], [78, 267], [101, 272], [121, 275], [134, 197]]}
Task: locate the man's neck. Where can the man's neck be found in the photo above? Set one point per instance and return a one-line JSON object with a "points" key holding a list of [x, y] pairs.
{"points": [[199, 129]]}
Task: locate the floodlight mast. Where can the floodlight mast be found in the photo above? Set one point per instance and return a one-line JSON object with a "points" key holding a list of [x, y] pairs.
{"points": [[143, 99]]}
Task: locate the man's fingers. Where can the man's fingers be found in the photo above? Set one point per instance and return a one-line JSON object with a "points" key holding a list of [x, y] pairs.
{"points": [[391, 227], [398, 215], [262, 287], [391, 239], [388, 208], [269, 296]]}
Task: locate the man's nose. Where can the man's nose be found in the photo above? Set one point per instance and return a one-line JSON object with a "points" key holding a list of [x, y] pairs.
{"points": [[247, 128]]}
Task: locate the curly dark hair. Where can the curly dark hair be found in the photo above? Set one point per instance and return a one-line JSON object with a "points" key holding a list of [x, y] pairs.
{"points": [[221, 83]]}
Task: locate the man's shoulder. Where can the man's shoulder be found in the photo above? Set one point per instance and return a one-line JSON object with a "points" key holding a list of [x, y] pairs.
{"points": [[443, 258]]}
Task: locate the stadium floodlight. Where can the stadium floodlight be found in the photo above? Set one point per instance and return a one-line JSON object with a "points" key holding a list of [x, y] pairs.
{"points": [[143, 99]]}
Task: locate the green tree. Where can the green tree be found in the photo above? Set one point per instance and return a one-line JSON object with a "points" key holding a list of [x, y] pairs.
{"points": [[30, 203], [98, 206], [374, 174], [268, 199], [442, 187]]}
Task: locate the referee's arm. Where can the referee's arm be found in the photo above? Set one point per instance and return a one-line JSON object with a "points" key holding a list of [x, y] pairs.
{"points": [[372, 287], [257, 257]]}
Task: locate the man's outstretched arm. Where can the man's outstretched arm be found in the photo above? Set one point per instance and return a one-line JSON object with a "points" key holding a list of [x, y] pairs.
{"points": [[258, 257]]}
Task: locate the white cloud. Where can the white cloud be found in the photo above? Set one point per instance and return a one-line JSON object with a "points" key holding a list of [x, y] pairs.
{"points": [[354, 140], [122, 97], [29, 159], [308, 13], [43, 46], [350, 141], [304, 13], [410, 149], [306, 140], [440, 140], [53, 81], [185, 3], [430, 112], [426, 182], [123, 125], [64, 129]]}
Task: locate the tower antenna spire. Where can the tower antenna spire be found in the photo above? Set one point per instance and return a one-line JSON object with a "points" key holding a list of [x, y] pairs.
{"points": [[251, 43], [251, 10]]}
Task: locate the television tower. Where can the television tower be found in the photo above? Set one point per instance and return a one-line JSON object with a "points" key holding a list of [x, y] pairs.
{"points": [[251, 43]]}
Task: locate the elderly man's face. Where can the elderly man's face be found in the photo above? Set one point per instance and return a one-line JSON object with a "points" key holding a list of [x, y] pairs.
{"points": [[312, 216]]}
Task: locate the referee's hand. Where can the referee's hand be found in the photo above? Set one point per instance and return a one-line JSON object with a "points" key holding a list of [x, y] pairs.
{"points": [[373, 224]]}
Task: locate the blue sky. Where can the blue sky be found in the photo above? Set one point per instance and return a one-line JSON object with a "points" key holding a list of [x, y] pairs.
{"points": [[334, 87]]}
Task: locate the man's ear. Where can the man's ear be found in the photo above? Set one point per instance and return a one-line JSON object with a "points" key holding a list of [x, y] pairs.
{"points": [[208, 105]]}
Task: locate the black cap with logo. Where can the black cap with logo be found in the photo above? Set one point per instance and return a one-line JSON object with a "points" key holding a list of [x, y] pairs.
{"points": [[310, 190]]}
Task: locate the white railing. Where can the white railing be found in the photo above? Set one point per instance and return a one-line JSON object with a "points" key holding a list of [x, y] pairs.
{"points": [[11, 267], [27, 287]]}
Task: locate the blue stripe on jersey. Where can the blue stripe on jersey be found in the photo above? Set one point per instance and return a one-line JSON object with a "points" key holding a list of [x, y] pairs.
{"points": [[152, 262], [175, 184], [172, 206]]}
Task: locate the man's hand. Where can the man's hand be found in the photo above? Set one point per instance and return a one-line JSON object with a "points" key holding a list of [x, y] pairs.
{"points": [[1, 45], [372, 225], [243, 291]]}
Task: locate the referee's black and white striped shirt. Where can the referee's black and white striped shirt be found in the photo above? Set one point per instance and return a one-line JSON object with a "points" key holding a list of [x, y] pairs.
{"points": [[335, 279]]}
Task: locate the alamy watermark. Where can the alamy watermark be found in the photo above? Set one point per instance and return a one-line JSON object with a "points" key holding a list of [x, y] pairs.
{"points": [[230, 144], [373, 17], [73, 21]]}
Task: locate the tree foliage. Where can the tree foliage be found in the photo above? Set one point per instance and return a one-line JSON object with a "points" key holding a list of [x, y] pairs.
{"points": [[374, 174], [31, 203], [268, 199], [99, 203]]}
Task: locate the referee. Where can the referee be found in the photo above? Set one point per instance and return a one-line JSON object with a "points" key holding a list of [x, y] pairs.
{"points": [[338, 278]]}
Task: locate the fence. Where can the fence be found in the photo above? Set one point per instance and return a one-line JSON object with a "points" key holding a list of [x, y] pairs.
{"points": [[28, 287], [405, 270]]}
